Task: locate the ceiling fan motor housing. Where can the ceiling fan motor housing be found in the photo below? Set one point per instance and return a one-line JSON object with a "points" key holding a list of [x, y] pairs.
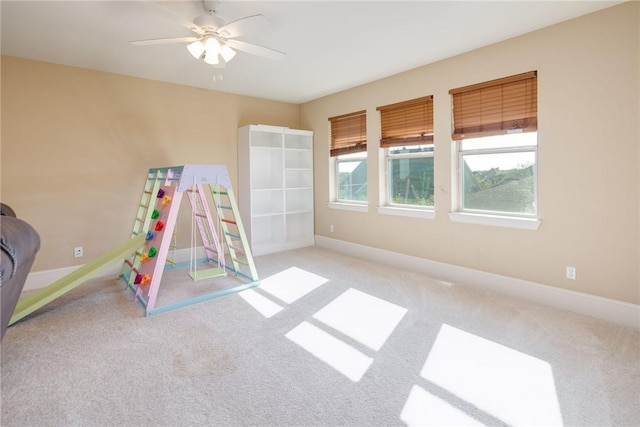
{"points": [[210, 5], [208, 23]]}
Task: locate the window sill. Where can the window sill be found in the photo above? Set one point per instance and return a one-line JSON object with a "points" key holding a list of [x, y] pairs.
{"points": [[496, 220], [414, 213], [354, 207]]}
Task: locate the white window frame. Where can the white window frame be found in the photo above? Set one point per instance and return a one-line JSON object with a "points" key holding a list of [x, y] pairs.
{"points": [[387, 206], [347, 204], [486, 217]]}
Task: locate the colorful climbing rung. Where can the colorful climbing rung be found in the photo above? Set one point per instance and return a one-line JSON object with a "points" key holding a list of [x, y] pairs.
{"points": [[228, 221], [237, 249], [229, 208], [235, 236]]}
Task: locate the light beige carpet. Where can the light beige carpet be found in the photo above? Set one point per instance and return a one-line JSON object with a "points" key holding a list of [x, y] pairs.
{"points": [[326, 340]]}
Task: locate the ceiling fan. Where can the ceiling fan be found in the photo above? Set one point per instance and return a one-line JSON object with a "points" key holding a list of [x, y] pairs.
{"points": [[215, 39]]}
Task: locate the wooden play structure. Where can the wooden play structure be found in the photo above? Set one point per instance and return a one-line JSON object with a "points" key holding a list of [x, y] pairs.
{"points": [[145, 253], [221, 234]]}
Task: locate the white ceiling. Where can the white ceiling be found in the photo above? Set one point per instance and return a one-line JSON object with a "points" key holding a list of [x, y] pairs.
{"points": [[330, 45]]}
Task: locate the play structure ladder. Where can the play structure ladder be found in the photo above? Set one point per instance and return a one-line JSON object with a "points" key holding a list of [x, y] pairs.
{"points": [[152, 184], [211, 244], [143, 218], [233, 231]]}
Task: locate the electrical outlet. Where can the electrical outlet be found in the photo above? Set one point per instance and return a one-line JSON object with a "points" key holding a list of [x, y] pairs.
{"points": [[571, 273], [77, 251], [331, 228]]}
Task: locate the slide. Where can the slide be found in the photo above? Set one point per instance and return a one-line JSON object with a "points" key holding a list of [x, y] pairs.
{"points": [[58, 288]]}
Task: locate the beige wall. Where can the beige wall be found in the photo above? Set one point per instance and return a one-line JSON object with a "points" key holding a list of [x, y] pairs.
{"points": [[76, 146], [588, 159]]}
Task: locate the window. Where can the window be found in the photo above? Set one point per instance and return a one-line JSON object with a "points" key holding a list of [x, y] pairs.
{"points": [[498, 174], [349, 152], [495, 129], [407, 141]]}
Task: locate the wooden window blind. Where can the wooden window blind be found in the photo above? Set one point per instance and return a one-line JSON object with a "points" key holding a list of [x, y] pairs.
{"points": [[407, 123], [496, 107], [349, 133]]}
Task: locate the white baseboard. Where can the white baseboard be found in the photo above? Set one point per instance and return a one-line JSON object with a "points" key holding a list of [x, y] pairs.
{"points": [[614, 311], [41, 279]]}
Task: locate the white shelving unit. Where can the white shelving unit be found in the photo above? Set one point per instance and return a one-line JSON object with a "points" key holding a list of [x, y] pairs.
{"points": [[275, 180]]}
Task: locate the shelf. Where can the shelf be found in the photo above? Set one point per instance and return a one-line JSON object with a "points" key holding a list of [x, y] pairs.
{"points": [[299, 188], [300, 230], [267, 202], [298, 212], [258, 148], [303, 141], [262, 215], [267, 234], [266, 168], [298, 159], [298, 178], [299, 200], [266, 139]]}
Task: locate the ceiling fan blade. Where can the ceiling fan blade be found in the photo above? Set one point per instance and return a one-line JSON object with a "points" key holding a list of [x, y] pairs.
{"points": [[164, 41], [254, 49], [162, 7], [248, 25]]}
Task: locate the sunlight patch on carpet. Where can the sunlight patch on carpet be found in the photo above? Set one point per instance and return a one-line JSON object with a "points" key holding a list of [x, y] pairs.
{"points": [[341, 356], [511, 386], [363, 317], [262, 304], [425, 409], [291, 284]]}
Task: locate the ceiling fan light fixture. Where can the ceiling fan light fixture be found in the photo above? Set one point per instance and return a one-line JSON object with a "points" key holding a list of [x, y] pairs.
{"points": [[212, 46], [211, 57], [196, 49], [227, 53]]}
